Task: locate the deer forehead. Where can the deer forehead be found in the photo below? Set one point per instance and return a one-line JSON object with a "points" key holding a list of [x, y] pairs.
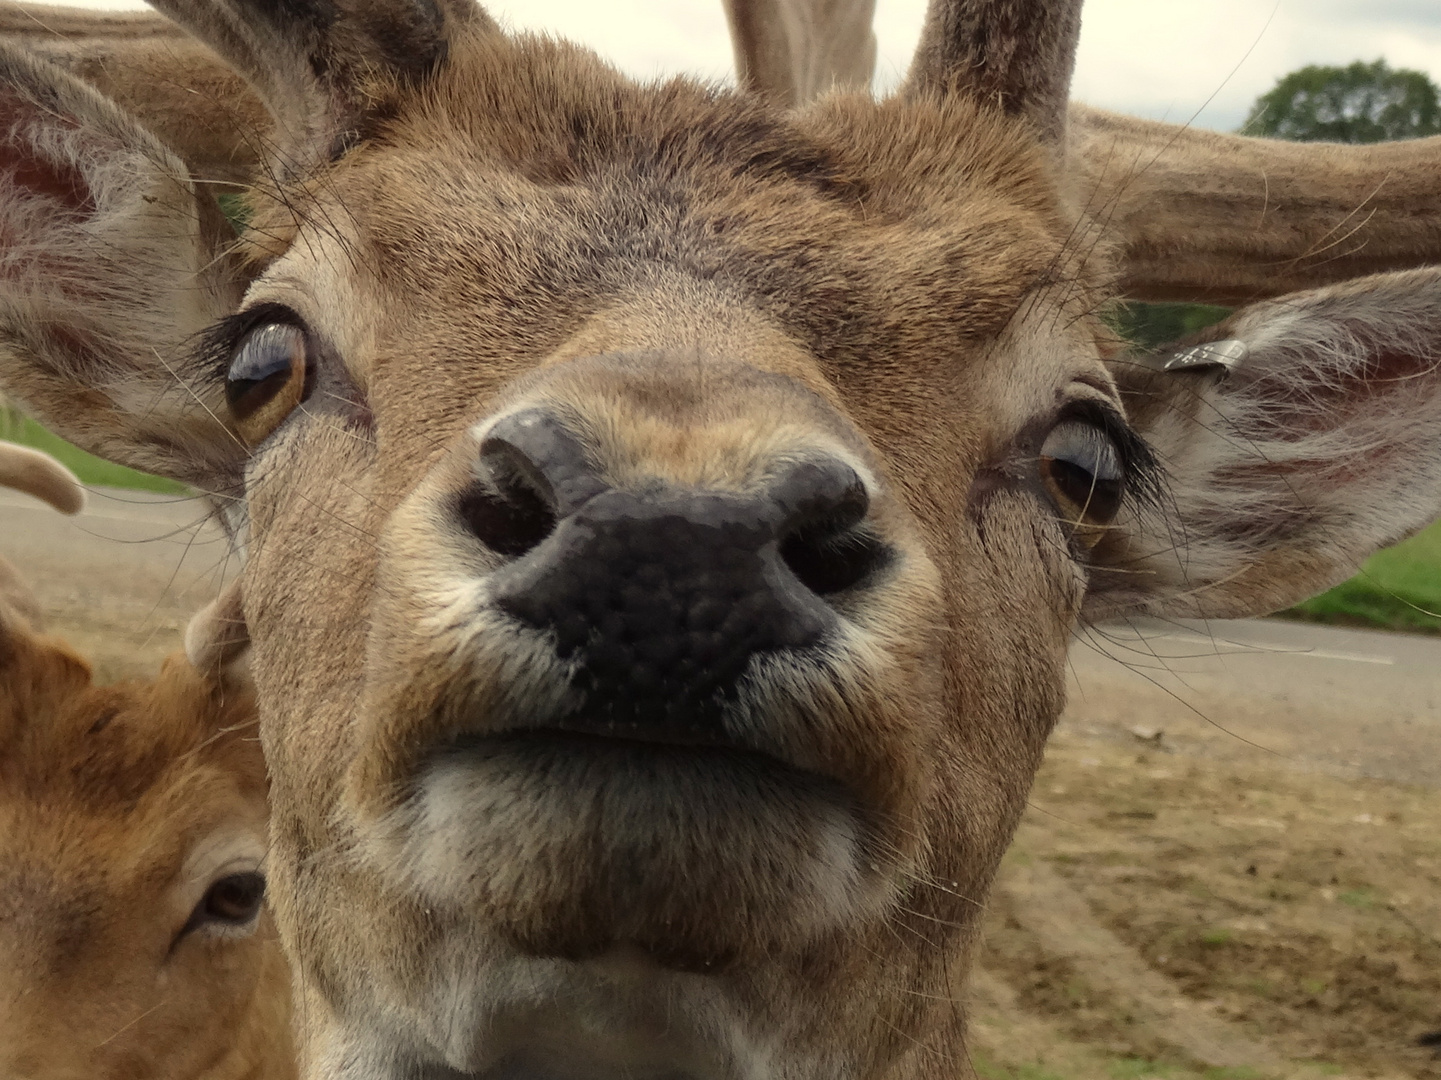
{"points": [[493, 220]]}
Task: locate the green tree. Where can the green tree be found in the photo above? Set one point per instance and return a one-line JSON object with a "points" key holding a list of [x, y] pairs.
{"points": [[1359, 103]]}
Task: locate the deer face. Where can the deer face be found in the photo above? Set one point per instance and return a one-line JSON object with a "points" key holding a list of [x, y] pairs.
{"points": [[656, 662], [665, 516], [132, 938]]}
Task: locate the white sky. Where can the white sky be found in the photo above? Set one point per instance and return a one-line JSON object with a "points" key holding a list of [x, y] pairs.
{"points": [[1158, 58]]}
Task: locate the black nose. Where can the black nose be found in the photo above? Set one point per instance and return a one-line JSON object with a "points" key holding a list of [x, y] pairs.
{"points": [[661, 598]]}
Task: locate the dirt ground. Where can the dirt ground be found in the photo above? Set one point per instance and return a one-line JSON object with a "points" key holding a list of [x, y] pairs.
{"points": [[1231, 867], [1221, 875]]}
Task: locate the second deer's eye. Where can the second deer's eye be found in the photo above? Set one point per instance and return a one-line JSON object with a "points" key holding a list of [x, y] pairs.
{"points": [[230, 905], [269, 375], [1083, 471]]}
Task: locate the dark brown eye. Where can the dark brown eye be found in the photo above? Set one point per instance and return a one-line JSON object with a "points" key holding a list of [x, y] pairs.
{"points": [[269, 376], [231, 903], [1082, 470]]}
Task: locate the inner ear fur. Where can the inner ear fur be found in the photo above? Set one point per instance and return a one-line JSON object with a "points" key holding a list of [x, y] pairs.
{"points": [[217, 638], [1322, 446], [115, 259]]}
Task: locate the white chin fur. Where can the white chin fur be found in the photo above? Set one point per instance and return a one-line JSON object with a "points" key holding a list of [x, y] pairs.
{"points": [[612, 1018], [491, 1012], [475, 826]]}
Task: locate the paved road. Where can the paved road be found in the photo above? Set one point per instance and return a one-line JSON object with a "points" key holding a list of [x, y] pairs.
{"points": [[135, 565], [120, 579], [1353, 702], [140, 537]]}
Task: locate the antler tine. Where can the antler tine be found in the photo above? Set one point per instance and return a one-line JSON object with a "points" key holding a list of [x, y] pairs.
{"points": [[792, 50], [308, 60], [1016, 54]]}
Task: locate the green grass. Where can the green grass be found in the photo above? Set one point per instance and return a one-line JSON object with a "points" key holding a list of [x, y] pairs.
{"points": [[1154, 325], [90, 469], [1398, 588]]}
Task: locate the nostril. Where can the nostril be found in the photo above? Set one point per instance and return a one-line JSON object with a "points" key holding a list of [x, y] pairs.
{"points": [[828, 560], [509, 510], [829, 549]]}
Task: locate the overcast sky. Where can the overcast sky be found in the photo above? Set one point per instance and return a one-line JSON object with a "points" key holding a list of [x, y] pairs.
{"points": [[1165, 59]]}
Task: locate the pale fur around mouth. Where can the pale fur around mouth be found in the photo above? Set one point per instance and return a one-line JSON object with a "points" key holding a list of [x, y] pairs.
{"points": [[570, 845], [509, 1001]]}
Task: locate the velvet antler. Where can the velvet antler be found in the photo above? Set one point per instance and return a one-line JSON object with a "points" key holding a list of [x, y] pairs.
{"points": [[1015, 54], [793, 50]]}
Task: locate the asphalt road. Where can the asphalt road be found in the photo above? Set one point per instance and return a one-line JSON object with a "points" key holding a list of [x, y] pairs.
{"points": [[133, 566], [120, 579], [1349, 702]]}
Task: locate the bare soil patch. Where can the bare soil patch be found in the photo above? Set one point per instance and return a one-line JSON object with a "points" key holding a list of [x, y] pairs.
{"points": [[1293, 916]]}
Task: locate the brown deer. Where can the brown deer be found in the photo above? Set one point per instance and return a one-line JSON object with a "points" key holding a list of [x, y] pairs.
{"points": [[133, 942], [666, 511]]}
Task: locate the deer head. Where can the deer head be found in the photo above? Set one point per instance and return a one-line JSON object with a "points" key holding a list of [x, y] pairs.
{"points": [[132, 831], [666, 513]]}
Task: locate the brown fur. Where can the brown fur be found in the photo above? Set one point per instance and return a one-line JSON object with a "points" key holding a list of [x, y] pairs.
{"points": [[147, 64], [106, 793], [703, 288], [116, 804]]}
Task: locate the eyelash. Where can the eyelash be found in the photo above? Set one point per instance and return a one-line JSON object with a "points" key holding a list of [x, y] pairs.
{"points": [[219, 342], [1143, 474]]}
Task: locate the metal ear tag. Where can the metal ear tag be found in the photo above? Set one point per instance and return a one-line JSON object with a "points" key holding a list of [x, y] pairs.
{"points": [[1227, 354]]}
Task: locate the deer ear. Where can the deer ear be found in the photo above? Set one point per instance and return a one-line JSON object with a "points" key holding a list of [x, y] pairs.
{"points": [[1313, 442], [217, 640], [112, 261], [149, 66]]}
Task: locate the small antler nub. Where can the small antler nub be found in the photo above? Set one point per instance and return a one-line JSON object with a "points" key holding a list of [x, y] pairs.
{"points": [[1015, 54]]}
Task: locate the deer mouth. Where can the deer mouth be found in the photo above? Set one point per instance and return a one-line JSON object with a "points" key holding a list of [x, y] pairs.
{"points": [[567, 844]]}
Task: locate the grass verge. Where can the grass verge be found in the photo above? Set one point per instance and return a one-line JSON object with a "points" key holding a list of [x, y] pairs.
{"points": [[1398, 588]]}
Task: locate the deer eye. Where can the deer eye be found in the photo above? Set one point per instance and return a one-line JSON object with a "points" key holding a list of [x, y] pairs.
{"points": [[230, 905], [1083, 471], [269, 375]]}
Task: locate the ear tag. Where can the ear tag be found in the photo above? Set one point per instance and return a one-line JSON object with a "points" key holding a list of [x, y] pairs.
{"points": [[1227, 354]]}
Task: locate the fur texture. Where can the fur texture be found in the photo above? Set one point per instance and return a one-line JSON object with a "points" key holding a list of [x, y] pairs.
{"points": [[119, 807]]}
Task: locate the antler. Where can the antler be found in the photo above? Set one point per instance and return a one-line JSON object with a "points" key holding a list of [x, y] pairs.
{"points": [[1016, 54], [1228, 219], [39, 474], [793, 50], [156, 72]]}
